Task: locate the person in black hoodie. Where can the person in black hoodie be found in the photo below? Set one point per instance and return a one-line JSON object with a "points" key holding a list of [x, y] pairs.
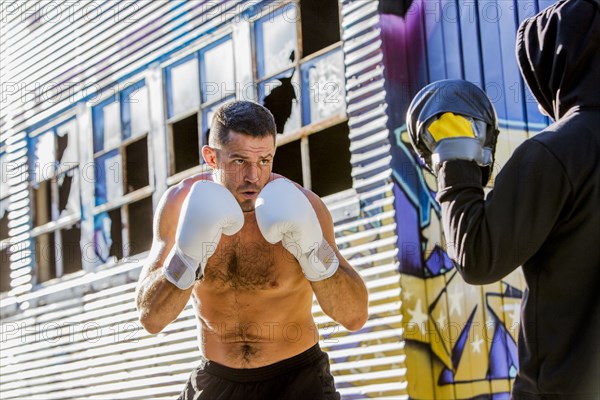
{"points": [[543, 213]]}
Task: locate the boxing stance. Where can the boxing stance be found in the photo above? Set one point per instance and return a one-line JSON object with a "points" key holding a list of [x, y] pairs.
{"points": [[250, 248]]}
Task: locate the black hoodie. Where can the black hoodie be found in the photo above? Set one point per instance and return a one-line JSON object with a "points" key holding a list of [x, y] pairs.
{"points": [[544, 211]]}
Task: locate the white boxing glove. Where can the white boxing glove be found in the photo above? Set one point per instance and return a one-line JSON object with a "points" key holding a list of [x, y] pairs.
{"points": [[284, 213], [208, 211]]}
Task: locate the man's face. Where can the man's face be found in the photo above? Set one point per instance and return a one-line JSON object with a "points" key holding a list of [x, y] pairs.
{"points": [[243, 166]]}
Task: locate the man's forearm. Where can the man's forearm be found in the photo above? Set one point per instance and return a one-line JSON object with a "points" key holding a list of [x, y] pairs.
{"points": [[159, 302], [344, 298]]}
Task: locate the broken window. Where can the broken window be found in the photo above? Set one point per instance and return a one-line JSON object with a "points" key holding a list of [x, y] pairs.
{"points": [[195, 86], [280, 95], [277, 51], [68, 185], [108, 177], [276, 40], [121, 126], [300, 78], [140, 225], [185, 144], [123, 231], [45, 257], [122, 172], [4, 268], [319, 91], [4, 218], [55, 200], [108, 236], [330, 167], [136, 165], [320, 21], [70, 250], [288, 161]]}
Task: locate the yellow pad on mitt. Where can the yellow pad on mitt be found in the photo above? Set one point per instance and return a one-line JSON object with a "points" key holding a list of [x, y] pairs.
{"points": [[450, 125]]}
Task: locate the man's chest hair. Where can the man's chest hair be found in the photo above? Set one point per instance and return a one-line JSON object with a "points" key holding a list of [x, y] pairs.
{"points": [[244, 264]]}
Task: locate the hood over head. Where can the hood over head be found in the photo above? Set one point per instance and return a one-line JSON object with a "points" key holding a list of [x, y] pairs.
{"points": [[558, 51]]}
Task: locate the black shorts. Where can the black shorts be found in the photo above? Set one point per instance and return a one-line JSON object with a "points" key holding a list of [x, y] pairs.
{"points": [[305, 376]]}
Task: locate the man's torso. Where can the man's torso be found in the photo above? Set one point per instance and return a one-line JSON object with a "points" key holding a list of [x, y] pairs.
{"points": [[253, 303]]}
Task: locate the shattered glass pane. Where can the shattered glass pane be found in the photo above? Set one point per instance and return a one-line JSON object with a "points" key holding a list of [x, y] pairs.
{"points": [[108, 243], [278, 41], [68, 193], [185, 93], [44, 156], [280, 95], [66, 145], [219, 74], [102, 236]]}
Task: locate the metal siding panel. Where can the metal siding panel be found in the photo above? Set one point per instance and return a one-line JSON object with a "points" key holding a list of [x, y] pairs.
{"points": [[436, 52], [369, 241], [491, 55], [470, 43], [513, 87], [21, 248], [451, 34]]}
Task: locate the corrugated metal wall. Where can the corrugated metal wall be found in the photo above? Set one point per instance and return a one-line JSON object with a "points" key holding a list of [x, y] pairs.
{"points": [[371, 362], [460, 339], [79, 338]]}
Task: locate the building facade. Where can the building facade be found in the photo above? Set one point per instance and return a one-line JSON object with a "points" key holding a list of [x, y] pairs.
{"points": [[106, 104]]}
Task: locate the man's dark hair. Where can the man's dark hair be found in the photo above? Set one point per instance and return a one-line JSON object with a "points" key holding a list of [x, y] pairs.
{"points": [[245, 117]]}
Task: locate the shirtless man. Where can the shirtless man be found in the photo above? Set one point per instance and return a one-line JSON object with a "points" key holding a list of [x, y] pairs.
{"points": [[250, 248]]}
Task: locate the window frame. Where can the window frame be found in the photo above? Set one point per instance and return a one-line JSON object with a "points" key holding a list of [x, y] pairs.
{"points": [[203, 107], [306, 128], [126, 199], [56, 224]]}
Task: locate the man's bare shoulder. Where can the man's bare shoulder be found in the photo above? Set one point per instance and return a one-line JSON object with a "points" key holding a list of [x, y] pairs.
{"points": [[319, 206], [172, 200], [177, 193]]}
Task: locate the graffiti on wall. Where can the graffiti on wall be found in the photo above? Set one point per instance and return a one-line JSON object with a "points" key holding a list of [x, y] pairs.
{"points": [[460, 339], [461, 336]]}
